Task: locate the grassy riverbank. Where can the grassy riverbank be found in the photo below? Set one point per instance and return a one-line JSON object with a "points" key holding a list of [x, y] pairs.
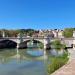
{"points": [[57, 62]]}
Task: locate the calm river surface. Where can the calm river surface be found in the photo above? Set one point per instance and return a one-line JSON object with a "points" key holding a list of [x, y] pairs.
{"points": [[22, 62]]}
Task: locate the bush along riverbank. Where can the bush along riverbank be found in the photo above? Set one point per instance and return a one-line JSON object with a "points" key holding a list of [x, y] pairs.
{"points": [[57, 62]]}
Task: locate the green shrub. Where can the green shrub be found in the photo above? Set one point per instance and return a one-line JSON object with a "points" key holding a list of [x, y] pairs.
{"points": [[58, 45], [57, 62], [68, 32]]}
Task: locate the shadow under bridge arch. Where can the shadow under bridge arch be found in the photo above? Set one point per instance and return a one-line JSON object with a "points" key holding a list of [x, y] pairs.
{"points": [[31, 44], [7, 44]]}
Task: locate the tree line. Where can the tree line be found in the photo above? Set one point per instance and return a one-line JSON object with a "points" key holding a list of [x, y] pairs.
{"points": [[68, 32], [14, 33]]}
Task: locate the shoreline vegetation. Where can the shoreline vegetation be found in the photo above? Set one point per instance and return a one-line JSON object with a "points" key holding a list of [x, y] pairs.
{"points": [[57, 62]]}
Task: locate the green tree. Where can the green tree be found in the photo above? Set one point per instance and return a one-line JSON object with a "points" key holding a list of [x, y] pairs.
{"points": [[68, 32], [58, 45]]}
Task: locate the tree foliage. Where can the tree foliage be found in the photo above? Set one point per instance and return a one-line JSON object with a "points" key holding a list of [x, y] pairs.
{"points": [[14, 33], [68, 32], [58, 45]]}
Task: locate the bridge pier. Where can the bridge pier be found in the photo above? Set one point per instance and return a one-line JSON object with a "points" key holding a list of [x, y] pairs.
{"points": [[3, 34], [74, 44], [45, 46], [17, 46], [45, 43], [74, 40]]}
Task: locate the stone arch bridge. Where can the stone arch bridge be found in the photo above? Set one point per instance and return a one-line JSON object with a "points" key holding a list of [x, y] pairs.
{"points": [[18, 40], [45, 40]]}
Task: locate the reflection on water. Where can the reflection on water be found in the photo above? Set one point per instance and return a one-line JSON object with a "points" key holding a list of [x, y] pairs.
{"points": [[35, 52], [18, 62]]}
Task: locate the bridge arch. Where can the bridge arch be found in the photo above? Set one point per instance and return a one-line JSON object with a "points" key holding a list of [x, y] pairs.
{"points": [[6, 43], [34, 40], [24, 44]]}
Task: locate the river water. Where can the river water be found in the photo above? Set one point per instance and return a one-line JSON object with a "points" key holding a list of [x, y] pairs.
{"points": [[22, 62]]}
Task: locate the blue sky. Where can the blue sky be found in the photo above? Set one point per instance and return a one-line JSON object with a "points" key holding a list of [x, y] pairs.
{"points": [[37, 14]]}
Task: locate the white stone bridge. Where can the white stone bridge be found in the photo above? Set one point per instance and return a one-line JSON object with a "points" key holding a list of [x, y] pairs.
{"points": [[19, 40], [45, 40]]}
